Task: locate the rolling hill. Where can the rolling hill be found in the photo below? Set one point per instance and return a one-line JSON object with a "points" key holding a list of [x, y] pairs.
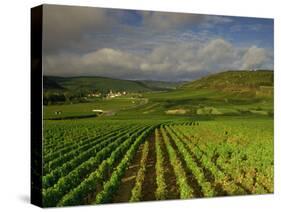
{"points": [[229, 93], [51, 84], [225, 93], [243, 83], [236, 81], [104, 84]]}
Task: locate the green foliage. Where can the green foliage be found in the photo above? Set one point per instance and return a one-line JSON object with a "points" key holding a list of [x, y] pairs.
{"points": [[197, 172], [84, 85], [225, 157], [161, 191], [185, 190], [137, 190], [99, 150], [73, 178], [234, 80], [111, 186], [87, 145], [236, 154], [226, 153]]}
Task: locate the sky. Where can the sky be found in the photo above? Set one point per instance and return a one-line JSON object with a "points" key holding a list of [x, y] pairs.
{"points": [[148, 45]]}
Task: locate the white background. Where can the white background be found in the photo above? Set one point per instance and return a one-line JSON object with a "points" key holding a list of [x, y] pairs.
{"points": [[15, 102]]}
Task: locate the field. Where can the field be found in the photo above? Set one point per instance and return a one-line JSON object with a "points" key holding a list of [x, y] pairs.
{"points": [[120, 161], [189, 142]]}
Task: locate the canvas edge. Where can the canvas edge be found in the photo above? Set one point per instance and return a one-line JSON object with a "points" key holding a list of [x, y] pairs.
{"points": [[36, 105]]}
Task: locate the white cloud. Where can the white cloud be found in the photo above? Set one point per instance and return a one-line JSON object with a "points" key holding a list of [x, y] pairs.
{"points": [[166, 62], [110, 57], [254, 58], [219, 51]]}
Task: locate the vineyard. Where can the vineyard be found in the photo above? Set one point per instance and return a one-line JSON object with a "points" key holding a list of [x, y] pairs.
{"points": [[94, 162]]}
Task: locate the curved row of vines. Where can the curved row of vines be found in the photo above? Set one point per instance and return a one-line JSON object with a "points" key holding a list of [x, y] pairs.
{"points": [[91, 163]]}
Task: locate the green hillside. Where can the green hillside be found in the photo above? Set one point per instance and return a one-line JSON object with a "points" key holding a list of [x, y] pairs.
{"points": [[51, 83], [104, 84], [226, 93], [236, 81]]}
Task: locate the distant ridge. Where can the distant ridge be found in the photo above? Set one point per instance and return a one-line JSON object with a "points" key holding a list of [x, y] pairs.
{"points": [[104, 84], [50, 83], [234, 80]]}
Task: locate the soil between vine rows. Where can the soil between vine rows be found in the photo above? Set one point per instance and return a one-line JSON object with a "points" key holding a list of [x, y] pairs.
{"points": [[170, 178], [149, 184], [123, 193]]}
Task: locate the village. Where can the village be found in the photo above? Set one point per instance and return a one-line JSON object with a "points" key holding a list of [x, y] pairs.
{"points": [[109, 95]]}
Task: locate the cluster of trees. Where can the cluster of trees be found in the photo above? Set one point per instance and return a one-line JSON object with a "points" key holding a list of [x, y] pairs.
{"points": [[51, 97]]}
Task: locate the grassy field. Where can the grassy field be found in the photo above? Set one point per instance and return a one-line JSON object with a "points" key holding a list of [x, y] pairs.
{"points": [[109, 106], [189, 142]]}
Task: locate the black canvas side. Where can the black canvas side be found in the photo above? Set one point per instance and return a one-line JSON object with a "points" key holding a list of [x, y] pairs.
{"points": [[36, 105]]}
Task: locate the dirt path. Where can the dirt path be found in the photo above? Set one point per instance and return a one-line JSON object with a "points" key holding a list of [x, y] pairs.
{"points": [[128, 181], [149, 184]]}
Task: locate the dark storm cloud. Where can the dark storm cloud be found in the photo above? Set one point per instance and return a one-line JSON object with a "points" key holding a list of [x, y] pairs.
{"points": [[68, 26]]}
